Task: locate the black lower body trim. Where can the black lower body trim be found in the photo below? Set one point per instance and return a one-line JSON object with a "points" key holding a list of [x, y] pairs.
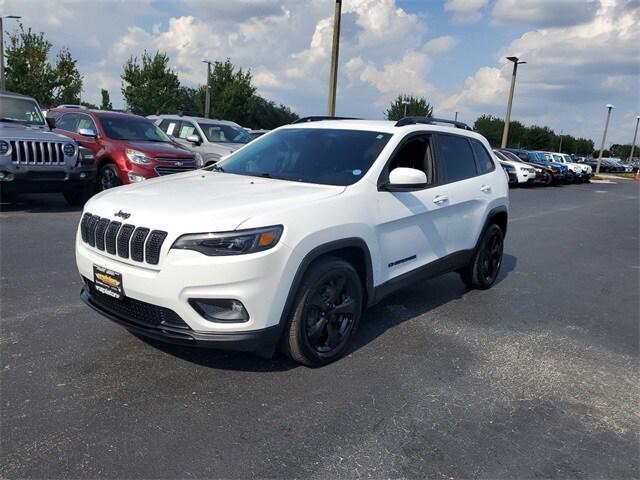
{"points": [[262, 342]]}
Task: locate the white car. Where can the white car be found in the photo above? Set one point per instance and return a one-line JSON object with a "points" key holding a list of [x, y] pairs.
{"points": [[580, 171], [290, 238], [517, 171]]}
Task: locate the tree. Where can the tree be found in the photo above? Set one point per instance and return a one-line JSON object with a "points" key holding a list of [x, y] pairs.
{"points": [[415, 107], [150, 87], [68, 81], [266, 114], [106, 101], [28, 71], [231, 92], [491, 128], [584, 146], [622, 151]]}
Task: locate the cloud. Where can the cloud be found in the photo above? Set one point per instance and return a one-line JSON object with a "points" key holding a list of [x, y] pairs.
{"points": [[440, 44], [545, 13], [465, 11], [571, 73]]}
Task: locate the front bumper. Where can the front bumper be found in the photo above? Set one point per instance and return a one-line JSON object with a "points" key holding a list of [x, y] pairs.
{"points": [[261, 342], [43, 180]]}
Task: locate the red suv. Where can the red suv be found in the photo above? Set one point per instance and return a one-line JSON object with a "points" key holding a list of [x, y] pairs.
{"points": [[127, 148]]}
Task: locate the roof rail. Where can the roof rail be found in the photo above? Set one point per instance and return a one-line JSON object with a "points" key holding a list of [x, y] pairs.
{"points": [[430, 121], [319, 118]]}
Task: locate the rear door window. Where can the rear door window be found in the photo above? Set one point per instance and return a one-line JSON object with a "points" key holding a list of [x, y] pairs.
{"points": [[455, 158]]}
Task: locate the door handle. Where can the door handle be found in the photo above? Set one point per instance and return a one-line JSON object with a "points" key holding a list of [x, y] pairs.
{"points": [[440, 199], [485, 189]]}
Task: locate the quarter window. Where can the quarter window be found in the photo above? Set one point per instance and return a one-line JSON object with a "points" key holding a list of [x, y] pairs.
{"points": [[415, 153], [86, 123], [485, 164], [456, 156]]}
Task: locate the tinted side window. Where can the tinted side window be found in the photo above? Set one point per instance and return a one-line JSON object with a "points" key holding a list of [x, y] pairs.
{"points": [[485, 163], [67, 122], [456, 156]]}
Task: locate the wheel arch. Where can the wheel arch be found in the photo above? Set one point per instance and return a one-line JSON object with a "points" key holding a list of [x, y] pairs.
{"points": [[499, 216], [353, 250]]}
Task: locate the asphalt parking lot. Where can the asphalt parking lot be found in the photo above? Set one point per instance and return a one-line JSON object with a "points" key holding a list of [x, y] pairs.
{"points": [[537, 377]]}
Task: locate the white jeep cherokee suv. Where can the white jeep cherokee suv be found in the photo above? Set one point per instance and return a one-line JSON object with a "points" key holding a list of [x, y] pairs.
{"points": [[288, 240]]}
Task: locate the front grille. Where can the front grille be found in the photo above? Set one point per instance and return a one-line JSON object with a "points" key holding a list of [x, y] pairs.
{"points": [[136, 311], [169, 170], [28, 152], [126, 241]]}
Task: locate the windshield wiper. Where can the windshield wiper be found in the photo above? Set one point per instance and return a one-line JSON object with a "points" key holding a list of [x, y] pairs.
{"points": [[217, 168], [12, 120], [278, 177]]}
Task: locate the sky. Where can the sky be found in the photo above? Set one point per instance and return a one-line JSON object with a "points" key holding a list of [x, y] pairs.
{"points": [[580, 54]]}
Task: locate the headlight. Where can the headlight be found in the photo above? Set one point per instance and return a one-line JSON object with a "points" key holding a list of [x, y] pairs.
{"points": [[4, 147], [231, 243], [86, 156], [509, 168], [199, 160], [137, 157], [69, 149], [538, 170]]}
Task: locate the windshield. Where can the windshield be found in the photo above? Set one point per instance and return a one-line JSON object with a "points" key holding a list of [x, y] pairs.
{"points": [[21, 110], [220, 133], [312, 155], [132, 129]]}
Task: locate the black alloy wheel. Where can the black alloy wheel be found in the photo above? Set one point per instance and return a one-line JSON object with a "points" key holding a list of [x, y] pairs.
{"points": [[325, 314], [482, 271]]}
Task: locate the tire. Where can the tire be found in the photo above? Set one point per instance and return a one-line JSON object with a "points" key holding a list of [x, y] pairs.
{"points": [[108, 177], [482, 272], [77, 198], [6, 197], [548, 180], [315, 334]]}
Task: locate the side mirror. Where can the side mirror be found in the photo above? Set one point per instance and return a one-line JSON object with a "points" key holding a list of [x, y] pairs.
{"points": [[195, 139], [403, 179], [51, 122], [87, 132]]}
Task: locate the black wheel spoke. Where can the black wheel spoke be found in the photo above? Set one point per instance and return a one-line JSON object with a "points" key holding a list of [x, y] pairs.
{"points": [[337, 288], [347, 306], [318, 301], [334, 337], [317, 330]]}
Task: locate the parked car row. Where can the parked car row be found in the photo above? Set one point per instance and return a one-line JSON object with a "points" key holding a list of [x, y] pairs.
{"points": [[537, 167]]}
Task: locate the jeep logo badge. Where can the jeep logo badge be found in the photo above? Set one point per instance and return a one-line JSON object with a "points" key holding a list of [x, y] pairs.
{"points": [[122, 214]]}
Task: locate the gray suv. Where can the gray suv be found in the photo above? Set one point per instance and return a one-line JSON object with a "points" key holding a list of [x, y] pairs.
{"points": [[34, 159], [211, 138]]}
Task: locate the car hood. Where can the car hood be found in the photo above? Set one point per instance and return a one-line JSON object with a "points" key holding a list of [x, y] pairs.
{"points": [[17, 131], [160, 149], [204, 201]]}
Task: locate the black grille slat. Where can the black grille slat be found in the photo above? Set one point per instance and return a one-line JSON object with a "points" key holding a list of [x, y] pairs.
{"points": [[170, 170], [123, 240], [137, 311], [153, 246], [140, 244], [110, 237], [101, 228], [137, 243], [83, 226], [91, 230]]}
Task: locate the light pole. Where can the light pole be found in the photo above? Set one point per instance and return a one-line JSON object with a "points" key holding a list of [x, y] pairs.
{"points": [[635, 135], [507, 120], [560, 147], [333, 75], [2, 17], [405, 102], [604, 136], [207, 95], [456, 119]]}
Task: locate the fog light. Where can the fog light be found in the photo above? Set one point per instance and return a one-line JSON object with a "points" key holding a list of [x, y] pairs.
{"points": [[2, 175], [4, 147], [220, 310], [83, 175], [135, 178]]}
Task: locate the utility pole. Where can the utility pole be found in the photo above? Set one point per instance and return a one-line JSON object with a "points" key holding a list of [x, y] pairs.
{"points": [[333, 75], [207, 89], [604, 136], [456, 119], [405, 102], [2, 82], [507, 120], [635, 135]]}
